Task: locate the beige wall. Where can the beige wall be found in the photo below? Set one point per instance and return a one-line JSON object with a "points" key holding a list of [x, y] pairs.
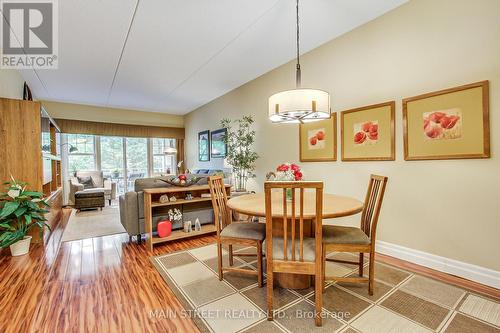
{"points": [[447, 208], [111, 115], [11, 84]]}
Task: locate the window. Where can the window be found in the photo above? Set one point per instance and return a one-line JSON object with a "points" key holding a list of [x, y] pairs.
{"points": [[121, 159], [81, 156], [162, 163]]}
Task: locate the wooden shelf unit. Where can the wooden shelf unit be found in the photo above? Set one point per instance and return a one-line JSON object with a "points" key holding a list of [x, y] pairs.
{"points": [[30, 143], [151, 202], [180, 234], [179, 202]]}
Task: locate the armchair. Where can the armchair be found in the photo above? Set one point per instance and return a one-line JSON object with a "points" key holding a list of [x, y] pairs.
{"points": [[98, 182]]}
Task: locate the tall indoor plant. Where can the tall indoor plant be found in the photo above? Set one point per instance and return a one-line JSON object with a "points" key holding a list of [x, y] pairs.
{"points": [[20, 210], [240, 155]]}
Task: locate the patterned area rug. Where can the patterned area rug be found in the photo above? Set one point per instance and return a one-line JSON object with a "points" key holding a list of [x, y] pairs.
{"points": [[402, 301]]}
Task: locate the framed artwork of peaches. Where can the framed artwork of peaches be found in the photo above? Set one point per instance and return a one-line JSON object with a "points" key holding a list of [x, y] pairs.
{"points": [[367, 133], [318, 140], [448, 124]]}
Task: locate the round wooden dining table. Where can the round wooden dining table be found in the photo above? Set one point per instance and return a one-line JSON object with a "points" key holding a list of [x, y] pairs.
{"points": [[333, 206]]}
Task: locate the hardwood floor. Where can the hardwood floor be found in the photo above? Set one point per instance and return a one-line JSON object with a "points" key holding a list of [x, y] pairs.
{"points": [[104, 284]]}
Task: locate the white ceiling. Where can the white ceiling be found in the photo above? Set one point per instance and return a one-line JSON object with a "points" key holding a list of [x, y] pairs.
{"points": [[173, 56]]}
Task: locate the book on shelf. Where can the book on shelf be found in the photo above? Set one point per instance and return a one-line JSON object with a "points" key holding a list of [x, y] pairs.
{"points": [[206, 195]]}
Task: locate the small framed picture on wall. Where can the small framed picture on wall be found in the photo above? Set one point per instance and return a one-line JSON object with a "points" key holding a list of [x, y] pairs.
{"points": [[448, 124], [218, 144], [367, 133], [204, 146], [318, 140]]}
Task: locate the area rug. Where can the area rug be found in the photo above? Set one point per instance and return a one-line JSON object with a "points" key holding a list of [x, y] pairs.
{"points": [[93, 223], [402, 301]]}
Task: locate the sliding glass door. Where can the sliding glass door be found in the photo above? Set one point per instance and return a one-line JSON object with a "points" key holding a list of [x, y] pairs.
{"points": [[136, 160], [112, 160]]}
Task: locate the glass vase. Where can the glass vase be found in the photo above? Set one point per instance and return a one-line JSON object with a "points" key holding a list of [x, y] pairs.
{"points": [[240, 182]]}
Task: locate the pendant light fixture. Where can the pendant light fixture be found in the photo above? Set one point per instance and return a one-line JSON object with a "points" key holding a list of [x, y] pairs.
{"points": [[299, 105]]}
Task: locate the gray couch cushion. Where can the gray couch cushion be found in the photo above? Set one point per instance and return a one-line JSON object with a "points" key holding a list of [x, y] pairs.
{"points": [[141, 184], [344, 235], [246, 230], [309, 248]]}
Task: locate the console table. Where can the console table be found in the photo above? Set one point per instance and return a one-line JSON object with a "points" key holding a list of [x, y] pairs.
{"points": [[152, 201]]}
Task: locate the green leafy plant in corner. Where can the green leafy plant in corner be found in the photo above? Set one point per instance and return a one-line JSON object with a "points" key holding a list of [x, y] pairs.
{"points": [[239, 139], [20, 210]]}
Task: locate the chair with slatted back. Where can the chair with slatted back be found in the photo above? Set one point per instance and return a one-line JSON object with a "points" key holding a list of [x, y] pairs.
{"points": [[289, 250], [234, 233], [358, 240]]}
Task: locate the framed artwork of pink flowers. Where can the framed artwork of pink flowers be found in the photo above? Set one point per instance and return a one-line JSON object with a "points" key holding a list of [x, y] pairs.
{"points": [[448, 124], [318, 140], [367, 133]]}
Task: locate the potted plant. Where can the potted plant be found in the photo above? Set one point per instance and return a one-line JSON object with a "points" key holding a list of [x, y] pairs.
{"points": [[240, 154], [20, 210]]}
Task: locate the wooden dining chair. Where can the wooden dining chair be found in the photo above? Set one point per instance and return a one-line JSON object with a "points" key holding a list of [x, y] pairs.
{"points": [[234, 233], [292, 252], [353, 239]]}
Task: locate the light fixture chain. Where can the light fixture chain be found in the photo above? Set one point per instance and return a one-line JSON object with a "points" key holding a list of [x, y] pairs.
{"points": [[298, 73]]}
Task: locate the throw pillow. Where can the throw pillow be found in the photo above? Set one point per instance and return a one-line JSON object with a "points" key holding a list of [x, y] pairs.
{"points": [[87, 182]]}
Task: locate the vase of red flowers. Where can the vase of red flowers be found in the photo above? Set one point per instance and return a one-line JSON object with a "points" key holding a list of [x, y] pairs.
{"points": [[287, 172]]}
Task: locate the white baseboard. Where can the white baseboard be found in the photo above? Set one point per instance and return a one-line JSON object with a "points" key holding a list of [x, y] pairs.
{"points": [[475, 273]]}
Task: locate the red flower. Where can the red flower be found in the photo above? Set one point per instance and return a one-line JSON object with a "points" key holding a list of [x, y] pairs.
{"points": [[373, 128], [182, 177], [313, 140], [427, 122], [373, 135], [448, 122], [298, 175], [436, 116], [320, 135], [366, 126], [433, 132], [282, 167], [359, 138], [295, 167]]}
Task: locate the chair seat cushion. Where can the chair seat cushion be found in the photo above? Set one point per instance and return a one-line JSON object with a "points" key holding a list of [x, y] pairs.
{"points": [[344, 235], [309, 249], [245, 230]]}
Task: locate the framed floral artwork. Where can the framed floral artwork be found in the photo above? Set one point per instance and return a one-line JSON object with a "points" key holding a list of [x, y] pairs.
{"points": [[448, 124], [367, 133], [318, 140], [204, 146], [218, 144]]}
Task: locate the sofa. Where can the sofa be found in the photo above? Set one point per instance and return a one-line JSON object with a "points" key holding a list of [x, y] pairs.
{"points": [[132, 205], [94, 180]]}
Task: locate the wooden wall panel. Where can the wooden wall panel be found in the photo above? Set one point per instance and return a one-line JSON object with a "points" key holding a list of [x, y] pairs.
{"points": [[20, 140], [111, 129]]}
